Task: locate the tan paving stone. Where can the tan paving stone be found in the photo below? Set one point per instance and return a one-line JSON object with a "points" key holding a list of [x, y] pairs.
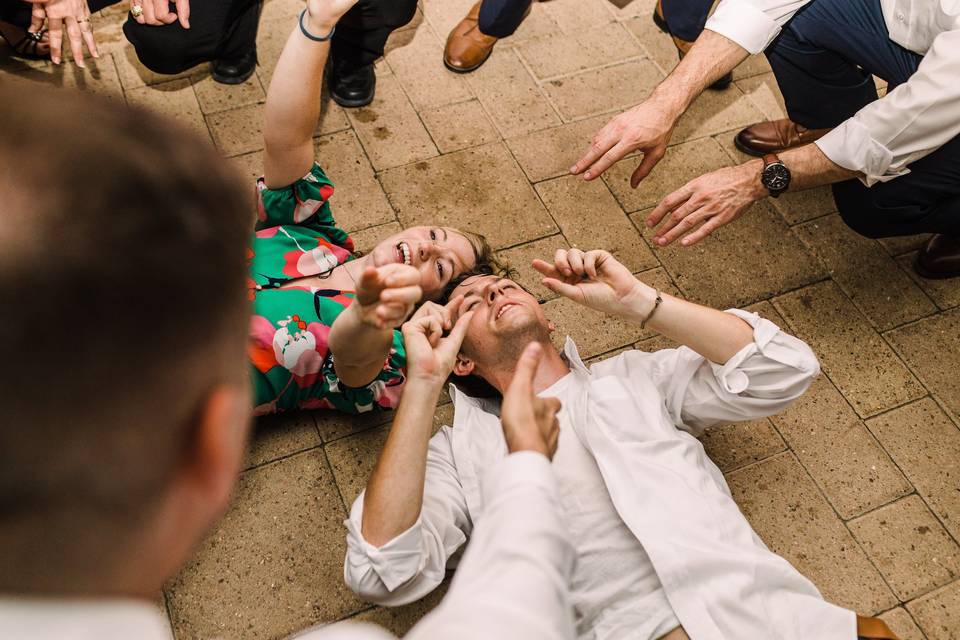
{"points": [[932, 349], [752, 66], [354, 457], [419, 67], [390, 130], [366, 239], [926, 446], [788, 512], [765, 93], [938, 613], [945, 293], [333, 425], [399, 620], [510, 96], [444, 14], [840, 454], [174, 99], [214, 96], [594, 332], [601, 90], [564, 53], [732, 446], [100, 76], [590, 218], [282, 10], [658, 45], [133, 74], [551, 152], [250, 165], [866, 273], [714, 112], [240, 130], [906, 542], [682, 163], [902, 624], [480, 189], [857, 360], [279, 436], [900, 245], [271, 36], [459, 126], [358, 200], [520, 258], [751, 258], [274, 564], [623, 10], [573, 16]]}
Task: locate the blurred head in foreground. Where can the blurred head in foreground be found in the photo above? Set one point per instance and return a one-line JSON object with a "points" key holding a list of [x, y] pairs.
{"points": [[125, 402]]}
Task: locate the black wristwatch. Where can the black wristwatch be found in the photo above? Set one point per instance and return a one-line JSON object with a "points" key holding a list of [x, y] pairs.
{"points": [[775, 176]]}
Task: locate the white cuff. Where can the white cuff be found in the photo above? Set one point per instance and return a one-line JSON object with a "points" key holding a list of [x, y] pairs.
{"points": [[744, 23], [851, 146], [394, 562]]}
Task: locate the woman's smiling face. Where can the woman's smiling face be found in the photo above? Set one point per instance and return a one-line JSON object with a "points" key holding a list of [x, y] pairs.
{"points": [[438, 253]]}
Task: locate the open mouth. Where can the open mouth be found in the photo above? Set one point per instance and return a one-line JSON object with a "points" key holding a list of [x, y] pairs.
{"points": [[504, 308], [403, 253]]}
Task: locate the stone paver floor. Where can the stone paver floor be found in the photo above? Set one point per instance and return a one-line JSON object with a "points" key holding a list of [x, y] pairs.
{"points": [[858, 484]]}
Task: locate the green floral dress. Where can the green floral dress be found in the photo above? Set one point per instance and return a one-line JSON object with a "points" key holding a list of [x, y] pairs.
{"points": [[291, 364]]}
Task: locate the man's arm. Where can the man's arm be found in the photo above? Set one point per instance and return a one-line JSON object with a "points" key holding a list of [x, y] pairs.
{"points": [[595, 279], [293, 99]]}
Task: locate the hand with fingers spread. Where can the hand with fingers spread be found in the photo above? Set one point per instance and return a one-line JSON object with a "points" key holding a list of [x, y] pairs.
{"points": [[388, 294], [705, 204], [594, 279], [72, 15], [646, 127], [430, 354], [157, 12], [529, 422]]}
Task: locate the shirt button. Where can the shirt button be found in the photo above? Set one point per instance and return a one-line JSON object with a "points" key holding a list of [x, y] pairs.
{"points": [[901, 17]]}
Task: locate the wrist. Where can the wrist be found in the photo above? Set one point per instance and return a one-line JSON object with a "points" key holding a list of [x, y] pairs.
{"points": [[671, 100], [536, 445], [640, 302], [425, 386], [320, 23], [752, 179]]}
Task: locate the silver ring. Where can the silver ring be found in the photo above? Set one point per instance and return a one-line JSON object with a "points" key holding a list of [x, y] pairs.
{"points": [[136, 11]]}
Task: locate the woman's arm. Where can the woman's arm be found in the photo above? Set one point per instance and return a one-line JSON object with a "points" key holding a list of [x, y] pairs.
{"points": [[293, 99]]}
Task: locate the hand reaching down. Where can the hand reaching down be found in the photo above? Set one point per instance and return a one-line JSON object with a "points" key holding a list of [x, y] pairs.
{"points": [[430, 355]]}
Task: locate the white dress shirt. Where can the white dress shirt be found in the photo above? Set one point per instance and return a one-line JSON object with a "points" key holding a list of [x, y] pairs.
{"points": [[643, 411], [615, 591], [910, 122]]}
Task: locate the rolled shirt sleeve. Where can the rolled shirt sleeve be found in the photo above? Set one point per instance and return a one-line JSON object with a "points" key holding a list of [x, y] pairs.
{"points": [[752, 24], [761, 379], [413, 563], [910, 122]]}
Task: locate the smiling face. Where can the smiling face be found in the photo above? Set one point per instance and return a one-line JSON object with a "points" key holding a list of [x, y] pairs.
{"points": [[438, 253], [505, 319]]}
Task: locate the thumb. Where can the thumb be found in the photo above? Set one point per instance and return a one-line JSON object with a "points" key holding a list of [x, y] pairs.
{"points": [[526, 369], [646, 166], [566, 290]]}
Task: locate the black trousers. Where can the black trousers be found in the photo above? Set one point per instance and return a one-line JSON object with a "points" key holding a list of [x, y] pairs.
{"points": [[823, 61], [500, 18]]}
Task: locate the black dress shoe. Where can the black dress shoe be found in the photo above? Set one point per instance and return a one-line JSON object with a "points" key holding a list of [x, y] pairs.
{"points": [[352, 86], [234, 71], [940, 258]]}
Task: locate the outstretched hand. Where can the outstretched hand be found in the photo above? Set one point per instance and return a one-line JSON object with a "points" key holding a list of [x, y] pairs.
{"points": [[388, 294], [594, 279], [72, 15], [430, 355], [647, 127], [529, 422]]}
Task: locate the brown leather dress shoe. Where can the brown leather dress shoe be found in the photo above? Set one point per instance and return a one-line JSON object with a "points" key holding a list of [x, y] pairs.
{"points": [[468, 47], [775, 136], [940, 258]]}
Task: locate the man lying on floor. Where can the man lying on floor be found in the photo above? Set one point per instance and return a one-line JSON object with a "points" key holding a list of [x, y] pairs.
{"points": [[663, 551]]}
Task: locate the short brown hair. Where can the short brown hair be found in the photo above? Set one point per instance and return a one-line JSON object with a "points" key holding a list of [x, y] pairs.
{"points": [[122, 279]]}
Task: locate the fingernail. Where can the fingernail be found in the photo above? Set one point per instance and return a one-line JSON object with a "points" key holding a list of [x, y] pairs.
{"points": [[588, 175], [573, 169], [662, 241]]}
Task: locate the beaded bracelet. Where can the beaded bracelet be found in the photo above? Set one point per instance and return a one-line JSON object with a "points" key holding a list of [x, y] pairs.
{"points": [[309, 35]]}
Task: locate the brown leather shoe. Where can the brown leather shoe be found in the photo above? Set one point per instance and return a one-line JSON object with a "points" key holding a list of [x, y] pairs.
{"points": [[940, 258], [468, 47], [775, 136]]}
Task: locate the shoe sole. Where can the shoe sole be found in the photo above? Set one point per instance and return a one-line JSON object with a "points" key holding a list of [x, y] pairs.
{"points": [[461, 69], [352, 104], [930, 275], [232, 79]]}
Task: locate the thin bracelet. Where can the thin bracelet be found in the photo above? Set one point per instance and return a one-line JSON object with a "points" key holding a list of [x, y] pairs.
{"points": [[656, 305], [309, 35]]}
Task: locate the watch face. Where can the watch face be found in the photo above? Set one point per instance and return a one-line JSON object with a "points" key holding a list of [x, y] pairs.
{"points": [[776, 177]]}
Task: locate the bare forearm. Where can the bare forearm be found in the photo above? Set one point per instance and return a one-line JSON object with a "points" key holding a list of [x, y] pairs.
{"points": [[715, 335], [711, 57], [358, 349], [810, 167], [293, 105], [394, 494]]}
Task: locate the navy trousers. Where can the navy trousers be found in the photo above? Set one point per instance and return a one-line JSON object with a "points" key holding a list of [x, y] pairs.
{"points": [[500, 18], [823, 61]]}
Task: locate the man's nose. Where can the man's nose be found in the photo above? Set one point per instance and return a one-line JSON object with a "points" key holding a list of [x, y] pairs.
{"points": [[495, 290]]}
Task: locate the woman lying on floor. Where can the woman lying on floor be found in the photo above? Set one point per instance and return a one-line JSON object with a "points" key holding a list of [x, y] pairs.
{"points": [[323, 332]]}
